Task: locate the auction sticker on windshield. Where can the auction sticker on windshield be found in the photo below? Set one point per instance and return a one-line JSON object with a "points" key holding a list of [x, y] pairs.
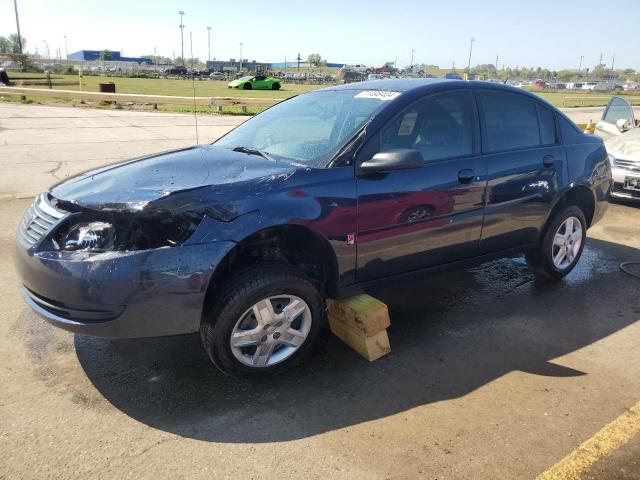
{"points": [[378, 94]]}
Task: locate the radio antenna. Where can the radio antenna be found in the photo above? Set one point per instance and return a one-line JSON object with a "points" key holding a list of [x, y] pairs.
{"points": [[193, 83]]}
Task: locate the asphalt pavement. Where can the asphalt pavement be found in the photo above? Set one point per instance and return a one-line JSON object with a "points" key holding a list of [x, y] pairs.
{"points": [[491, 375]]}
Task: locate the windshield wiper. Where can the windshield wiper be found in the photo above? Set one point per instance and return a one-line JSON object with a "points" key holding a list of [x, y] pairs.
{"points": [[253, 151]]}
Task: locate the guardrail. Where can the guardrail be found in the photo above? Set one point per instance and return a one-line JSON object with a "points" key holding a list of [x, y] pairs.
{"points": [[139, 98]]}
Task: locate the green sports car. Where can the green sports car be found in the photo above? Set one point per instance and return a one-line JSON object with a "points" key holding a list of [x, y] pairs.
{"points": [[259, 82]]}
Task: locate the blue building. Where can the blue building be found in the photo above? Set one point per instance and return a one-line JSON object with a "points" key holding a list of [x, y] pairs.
{"points": [[92, 55]]}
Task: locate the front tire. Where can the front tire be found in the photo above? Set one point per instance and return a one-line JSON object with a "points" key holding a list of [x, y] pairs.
{"points": [[263, 321], [247, 86], [561, 247]]}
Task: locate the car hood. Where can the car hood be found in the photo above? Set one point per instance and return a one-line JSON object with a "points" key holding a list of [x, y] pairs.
{"points": [[235, 83], [132, 185], [625, 146]]}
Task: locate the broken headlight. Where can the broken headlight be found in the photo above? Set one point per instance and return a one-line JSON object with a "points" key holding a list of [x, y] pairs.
{"points": [[115, 231], [93, 236]]}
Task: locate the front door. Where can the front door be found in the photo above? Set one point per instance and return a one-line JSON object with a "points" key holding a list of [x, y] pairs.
{"points": [[412, 219], [617, 118]]}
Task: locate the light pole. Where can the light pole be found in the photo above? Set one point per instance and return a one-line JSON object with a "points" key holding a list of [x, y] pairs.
{"points": [[412, 52], [209, 41], [181, 13], [240, 57], [66, 50], [15, 6], [470, 50]]}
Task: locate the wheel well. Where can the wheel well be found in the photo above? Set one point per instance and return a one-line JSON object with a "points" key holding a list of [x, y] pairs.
{"points": [[291, 244], [581, 197]]}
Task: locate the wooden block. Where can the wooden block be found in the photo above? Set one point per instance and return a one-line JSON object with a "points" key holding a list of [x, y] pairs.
{"points": [[362, 313], [371, 348]]}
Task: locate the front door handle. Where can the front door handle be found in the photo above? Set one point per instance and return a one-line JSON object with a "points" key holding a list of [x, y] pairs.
{"points": [[548, 160], [466, 175]]}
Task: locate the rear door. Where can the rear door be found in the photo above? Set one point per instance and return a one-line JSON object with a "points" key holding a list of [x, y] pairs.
{"points": [[412, 219], [526, 166], [617, 118]]}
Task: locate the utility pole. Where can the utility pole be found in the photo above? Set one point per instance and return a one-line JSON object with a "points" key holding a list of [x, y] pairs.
{"points": [[191, 49], [15, 6], [470, 50], [209, 41], [240, 70], [155, 57], [66, 50], [298, 59], [412, 52], [580, 66], [613, 64], [181, 13]]}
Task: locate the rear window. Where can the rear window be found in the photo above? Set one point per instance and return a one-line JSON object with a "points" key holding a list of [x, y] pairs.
{"points": [[511, 122]]}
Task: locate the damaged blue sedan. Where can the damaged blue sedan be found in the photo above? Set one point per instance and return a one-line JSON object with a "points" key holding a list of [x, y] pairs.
{"points": [[317, 197]]}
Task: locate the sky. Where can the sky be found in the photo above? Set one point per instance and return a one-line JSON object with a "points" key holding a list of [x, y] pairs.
{"points": [[551, 34]]}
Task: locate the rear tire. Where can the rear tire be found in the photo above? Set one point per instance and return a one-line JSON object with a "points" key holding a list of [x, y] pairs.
{"points": [[560, 248], [263, 321], [275, 86]]}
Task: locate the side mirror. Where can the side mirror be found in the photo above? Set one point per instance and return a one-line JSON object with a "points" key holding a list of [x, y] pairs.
{"points": [[398, 159], [623, 125]]}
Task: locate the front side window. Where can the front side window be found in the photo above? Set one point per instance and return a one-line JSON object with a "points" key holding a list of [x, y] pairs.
{"points": [[510, 121], [618, 109], [309, 128], [439, 127]]}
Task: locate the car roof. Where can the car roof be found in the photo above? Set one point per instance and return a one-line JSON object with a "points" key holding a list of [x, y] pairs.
{"points": [[412, 87], [393, 84]]}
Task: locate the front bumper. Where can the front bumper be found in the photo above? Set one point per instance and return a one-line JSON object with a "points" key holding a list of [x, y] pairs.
{"points": [[120, 294], [618, 190]]}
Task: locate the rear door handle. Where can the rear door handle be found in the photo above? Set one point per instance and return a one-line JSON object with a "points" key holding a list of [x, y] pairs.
{"points": [[548, 160], [466, 175]]}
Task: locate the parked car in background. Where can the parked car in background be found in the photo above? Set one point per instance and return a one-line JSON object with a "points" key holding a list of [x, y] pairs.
{"points": [[217, 76], [317, 197], [257, 82], [621, 133], [358, 68], [176, 70]]}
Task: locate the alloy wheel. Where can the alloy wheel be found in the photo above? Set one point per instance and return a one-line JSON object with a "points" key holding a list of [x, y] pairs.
{"points": [[271, 331], [566, 243]]}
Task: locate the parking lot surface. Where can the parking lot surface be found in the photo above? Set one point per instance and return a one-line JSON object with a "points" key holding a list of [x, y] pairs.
{"points": [[491, 375]]}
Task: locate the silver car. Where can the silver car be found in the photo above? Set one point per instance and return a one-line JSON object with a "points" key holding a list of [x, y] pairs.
{"points": [[621, 134]]}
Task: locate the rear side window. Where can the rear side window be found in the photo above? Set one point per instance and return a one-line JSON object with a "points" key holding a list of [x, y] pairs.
{"points": [[511, 121], [439, 127], [547, 126]]}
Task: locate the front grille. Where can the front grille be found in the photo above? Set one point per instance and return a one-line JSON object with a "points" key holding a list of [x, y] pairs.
{"points": [[629, 165], [39, 219]]}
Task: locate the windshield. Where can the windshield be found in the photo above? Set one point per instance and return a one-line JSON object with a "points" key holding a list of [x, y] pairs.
{"points": [[310, 128]]}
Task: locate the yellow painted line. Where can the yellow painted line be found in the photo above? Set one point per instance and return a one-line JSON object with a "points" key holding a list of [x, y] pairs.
{"points": [[611, 437]]}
